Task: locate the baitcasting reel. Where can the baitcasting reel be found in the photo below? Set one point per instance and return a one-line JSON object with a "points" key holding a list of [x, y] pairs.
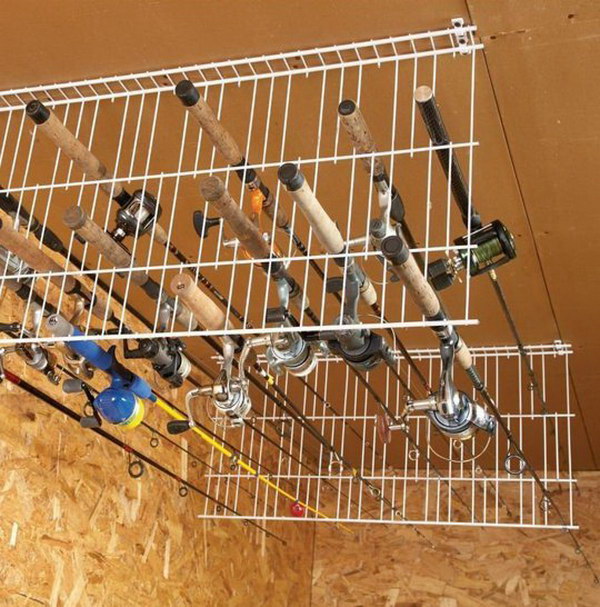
{"points": [[494, 244], [451, 410], [136, 216], [166, 356]]}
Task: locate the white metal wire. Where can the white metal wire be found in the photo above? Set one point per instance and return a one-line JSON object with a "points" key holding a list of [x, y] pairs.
{"points": [[129, 121], [423, 488]]}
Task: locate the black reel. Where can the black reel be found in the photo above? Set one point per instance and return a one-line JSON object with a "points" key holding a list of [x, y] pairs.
{"points": [[136, 216], [166, 356], [494, 246]]}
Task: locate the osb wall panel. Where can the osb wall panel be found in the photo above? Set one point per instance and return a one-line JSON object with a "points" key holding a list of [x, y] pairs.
{"points": [[389, 566], [77, 530]]}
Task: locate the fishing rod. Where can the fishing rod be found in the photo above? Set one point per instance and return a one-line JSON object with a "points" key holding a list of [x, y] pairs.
{"points": [[138, 213], [17, 244], [123, 403], [141, 457], [261, 197], [361, 348], [494, 243], [391, 205], [449, 409], [214, 191]]}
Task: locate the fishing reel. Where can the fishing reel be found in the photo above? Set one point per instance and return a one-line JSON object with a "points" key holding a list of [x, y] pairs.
{"points": [[450, 410], [360, 348], [136, 216], [229, 395], [288, 351], [494, 246], [166, 356]]}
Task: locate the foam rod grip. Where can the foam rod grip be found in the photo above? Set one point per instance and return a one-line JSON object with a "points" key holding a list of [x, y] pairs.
{"points": [[362, 140], [35, 258], [202, 112], [204, 309], [59, 134], [214, 191]]}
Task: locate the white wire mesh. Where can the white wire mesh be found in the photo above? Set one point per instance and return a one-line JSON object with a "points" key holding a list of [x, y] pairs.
{"points": [[279, 108], [431, 481]]}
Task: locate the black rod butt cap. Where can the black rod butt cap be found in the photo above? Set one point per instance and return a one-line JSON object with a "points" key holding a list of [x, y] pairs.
{"points": [[187, 93], [346, 107], [289, 174], [37, 111], [178, 426], [394, 249]]}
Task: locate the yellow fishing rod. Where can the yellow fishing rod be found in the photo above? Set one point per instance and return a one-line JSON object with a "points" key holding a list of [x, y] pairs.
{"points": [[122, 403]]}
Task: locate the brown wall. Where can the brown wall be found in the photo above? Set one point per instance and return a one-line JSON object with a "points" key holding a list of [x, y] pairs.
{"points": [[470, 567]]}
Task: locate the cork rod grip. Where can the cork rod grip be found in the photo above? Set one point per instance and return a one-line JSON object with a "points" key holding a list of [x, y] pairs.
{"points": [[77, 219], [204, 309], [35, 258], [204, 115], [62, 138], [214, 191], [360, 135], [417, 286]]}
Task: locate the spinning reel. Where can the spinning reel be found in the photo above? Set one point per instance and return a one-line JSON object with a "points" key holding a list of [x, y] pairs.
{"points": [[136, 216], [360, 348], [494, 244], [166, 356], [451, 410]]}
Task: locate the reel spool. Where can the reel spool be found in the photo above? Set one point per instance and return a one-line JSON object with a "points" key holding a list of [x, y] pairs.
{"points": [[136, 217], [494, 244]]}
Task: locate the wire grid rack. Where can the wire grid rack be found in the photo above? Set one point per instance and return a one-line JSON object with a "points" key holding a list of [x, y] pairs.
{"points": [[280, 107], [432, 481]]}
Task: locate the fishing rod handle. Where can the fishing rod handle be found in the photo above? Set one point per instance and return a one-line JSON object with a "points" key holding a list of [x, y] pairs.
{"points": [[61, 136], [404, 265], [324, 228], [77, 219], [214, 191], [34, 257], [199, 109], [436, 129], [203, 308], [360, 135]]}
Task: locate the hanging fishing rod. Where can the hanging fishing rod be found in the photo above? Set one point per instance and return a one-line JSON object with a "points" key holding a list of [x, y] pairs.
{"points": [[39, 394], [224, 142], [123, 403], [138, 213], [494, 243], [452, 411]]}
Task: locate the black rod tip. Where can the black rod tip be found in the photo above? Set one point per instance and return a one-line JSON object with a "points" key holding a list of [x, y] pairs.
{"points": [[37, 111], [289, 174], [346, 107], [187, 93]]}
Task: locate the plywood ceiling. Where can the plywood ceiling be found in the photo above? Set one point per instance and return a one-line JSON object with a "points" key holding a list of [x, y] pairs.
{"points": [[537, 124]]}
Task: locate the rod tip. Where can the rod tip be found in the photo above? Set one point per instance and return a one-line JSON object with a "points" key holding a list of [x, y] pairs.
{"points": [[37, 111], [289, 174], [187, 93], [346, 107], [423, 94], [212, 188]]}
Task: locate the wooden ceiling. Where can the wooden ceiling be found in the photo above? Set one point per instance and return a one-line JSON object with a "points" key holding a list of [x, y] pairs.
{"points": [[536, 122]]}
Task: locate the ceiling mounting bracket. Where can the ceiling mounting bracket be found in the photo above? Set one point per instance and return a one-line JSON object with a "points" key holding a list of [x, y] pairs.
{"points": [[460, 35]]}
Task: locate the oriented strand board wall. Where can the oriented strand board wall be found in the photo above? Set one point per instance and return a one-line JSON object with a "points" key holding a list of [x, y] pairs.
{"points": [[75, 529], [389, 566]]}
